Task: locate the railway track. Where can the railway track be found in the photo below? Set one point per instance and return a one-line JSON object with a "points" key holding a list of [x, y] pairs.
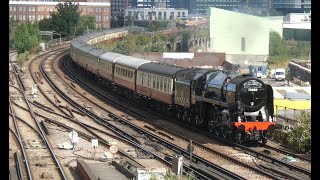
{"points": [[260, 155], [39, 137], [216, 153], [116, 130]]}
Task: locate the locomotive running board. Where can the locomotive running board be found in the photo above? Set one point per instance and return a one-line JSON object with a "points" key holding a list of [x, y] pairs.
{"points": [[211, 101]]}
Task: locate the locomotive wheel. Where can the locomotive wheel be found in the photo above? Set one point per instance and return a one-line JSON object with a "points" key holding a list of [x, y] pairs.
{"points": [[185, 116], [210, 128], [179, 115], [216, 131], [223, 133], [264, 141], [195, 121], [239, 138]]}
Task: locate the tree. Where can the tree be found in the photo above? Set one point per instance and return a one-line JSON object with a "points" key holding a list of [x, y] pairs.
{"points": [[86, 23], [66, 18], [27, 37], [45, 24], [276, 45], [300, 136], [122, 47], [274, 12], [13, 24]]}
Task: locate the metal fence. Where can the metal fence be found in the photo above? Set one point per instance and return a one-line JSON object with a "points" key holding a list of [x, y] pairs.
{"points": [[287, 116], [57, 41]]}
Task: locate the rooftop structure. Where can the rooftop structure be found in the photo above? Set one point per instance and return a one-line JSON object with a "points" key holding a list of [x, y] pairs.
{"points": [[156, 13], [38, 10]]}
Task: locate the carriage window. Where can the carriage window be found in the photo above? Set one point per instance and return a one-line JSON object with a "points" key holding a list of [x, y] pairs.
{"points": [[161, 83], [169, 86], [154, 82], [148, 84], [165, 85], [157, 82], [142, 78]]}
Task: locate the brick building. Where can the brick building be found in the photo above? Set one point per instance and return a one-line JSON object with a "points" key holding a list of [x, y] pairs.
{"points": [[36, 10]]}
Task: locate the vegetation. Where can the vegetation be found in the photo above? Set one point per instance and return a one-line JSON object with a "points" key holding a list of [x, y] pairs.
{"points": [[117, 22], [85, 24], [66, 18], [282, 51], [27, 38], [139, 43], [152, 42], [157, 26], [172, 176], [45, 24], [299, 137], [67, 21], [13, 24], [22, 57]]}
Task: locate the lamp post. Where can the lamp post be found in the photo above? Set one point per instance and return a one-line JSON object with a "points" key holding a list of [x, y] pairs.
{"points": [[288, 75]]}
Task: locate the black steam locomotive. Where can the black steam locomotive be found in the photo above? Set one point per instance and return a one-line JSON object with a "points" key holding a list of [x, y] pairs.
{"points": [[238, 107]]}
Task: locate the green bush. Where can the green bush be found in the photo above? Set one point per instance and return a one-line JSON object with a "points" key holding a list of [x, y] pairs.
{"points": [[282, 51], [299, 137], [22, 57]]}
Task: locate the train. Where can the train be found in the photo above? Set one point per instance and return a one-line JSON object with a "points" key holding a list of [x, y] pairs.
{"points": [[234, 106]]}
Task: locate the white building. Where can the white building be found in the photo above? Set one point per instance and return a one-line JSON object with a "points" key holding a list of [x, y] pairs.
{"points": [[156, 13], [297, 21]]}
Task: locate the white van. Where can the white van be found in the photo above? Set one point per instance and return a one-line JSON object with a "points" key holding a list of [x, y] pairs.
{"points": [[279, 74]]}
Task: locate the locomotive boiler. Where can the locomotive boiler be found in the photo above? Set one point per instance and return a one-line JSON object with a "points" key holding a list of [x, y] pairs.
{"points": [[237, 107]]}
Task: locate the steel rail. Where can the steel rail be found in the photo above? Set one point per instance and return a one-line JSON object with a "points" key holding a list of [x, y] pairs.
{"points": [[97, 118], [92, 90], [42, 133]]}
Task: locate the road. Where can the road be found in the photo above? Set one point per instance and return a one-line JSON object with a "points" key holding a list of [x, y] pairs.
{"points": [[275, 83]]}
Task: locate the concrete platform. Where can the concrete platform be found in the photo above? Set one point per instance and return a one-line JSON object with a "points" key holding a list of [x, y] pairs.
{"points": [[102, 171]]}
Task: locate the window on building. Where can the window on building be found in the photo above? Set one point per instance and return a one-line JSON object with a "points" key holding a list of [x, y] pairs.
{"points": [[171, 15], [10, 8], [243, 44]]}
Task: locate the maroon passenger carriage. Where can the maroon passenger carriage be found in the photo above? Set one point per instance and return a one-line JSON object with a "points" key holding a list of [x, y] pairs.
{"points": [[156, 82]]}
